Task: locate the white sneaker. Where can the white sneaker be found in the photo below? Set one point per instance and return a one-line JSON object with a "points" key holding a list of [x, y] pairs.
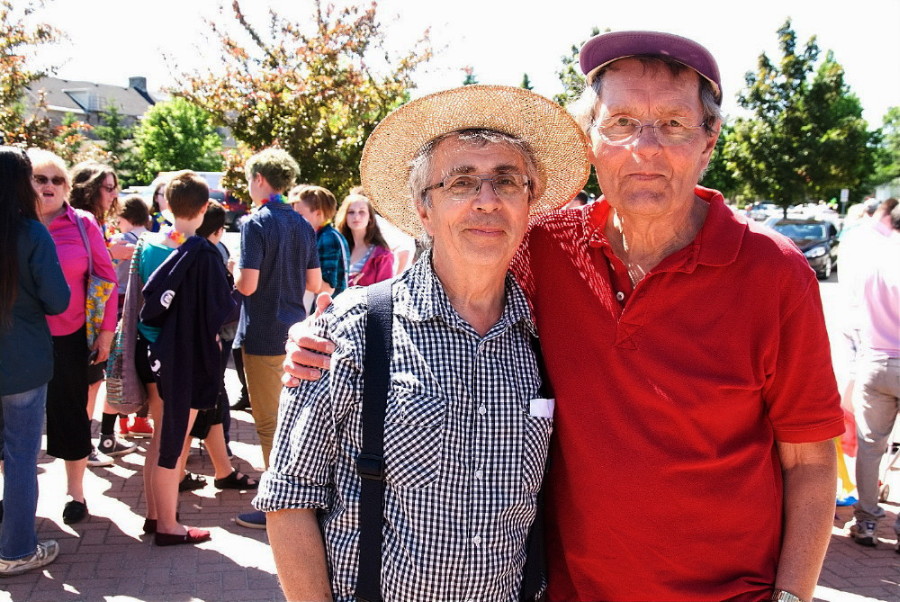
{"points": [[45, 553], [863, 532], [96, 459]]}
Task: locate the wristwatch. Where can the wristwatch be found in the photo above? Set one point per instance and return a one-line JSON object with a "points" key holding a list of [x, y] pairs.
{"points": [[779, 595]]}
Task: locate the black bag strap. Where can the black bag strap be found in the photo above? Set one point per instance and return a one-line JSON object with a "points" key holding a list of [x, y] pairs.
{"points": [[535, 560], [370, 462]]}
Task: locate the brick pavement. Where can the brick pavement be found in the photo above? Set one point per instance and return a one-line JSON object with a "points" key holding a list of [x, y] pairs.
{"points": [[107, 557]]}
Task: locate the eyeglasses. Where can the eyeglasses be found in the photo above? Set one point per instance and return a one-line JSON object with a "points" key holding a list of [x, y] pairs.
{"points": [[669, 132], [42, 180], [507, 186], [109, 189]]}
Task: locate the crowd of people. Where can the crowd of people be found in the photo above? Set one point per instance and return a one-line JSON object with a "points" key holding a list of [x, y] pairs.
{"points": [[95, 274], [426, 434]]}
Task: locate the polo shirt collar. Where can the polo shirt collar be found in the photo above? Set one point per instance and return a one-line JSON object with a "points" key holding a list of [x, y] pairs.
{"points": [[426, 299], [717, 244]]}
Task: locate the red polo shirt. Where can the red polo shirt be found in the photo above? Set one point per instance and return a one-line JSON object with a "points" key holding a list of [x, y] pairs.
{"points": [[664, 481]]}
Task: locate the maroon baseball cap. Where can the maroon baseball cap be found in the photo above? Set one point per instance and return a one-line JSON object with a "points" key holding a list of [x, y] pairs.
{"points": [[602, 50]]}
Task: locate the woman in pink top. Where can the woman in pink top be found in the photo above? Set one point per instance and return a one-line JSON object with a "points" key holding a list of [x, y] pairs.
{"points": [[371, 260], [95, 190], [68, 424]]}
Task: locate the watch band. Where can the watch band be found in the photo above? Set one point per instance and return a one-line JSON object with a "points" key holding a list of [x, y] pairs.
{"points": [[779, 595]]}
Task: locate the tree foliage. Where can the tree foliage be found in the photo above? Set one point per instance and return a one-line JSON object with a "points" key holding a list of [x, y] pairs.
{"points": [[311, 88], [526, 82], [570, 75], [806, 137], [470, 78], [888, 153], [177, 135], [17, 43], [118, 145]]}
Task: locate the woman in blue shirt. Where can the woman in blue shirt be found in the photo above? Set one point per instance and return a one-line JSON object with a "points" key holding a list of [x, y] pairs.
{"points": [[32, 286]]}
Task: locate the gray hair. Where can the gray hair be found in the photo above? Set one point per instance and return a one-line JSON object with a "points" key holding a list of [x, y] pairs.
{"points": [[584, 109], [422, 162]]}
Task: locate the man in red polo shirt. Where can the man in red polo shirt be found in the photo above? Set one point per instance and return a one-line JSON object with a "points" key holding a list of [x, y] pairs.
{"points": [[695, 399]]}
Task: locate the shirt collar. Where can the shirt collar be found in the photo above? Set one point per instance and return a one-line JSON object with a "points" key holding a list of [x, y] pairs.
{"points": [[717, 243], [424, 299]]}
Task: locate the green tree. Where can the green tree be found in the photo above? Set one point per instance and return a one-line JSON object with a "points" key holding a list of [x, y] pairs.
{"points": [[806, 136], [526, 82], [570, 75], [888, 152], [470, 78], [177, 135], [315, 88], [70, 141], [18, 42], [118, 144], [718, 175]]}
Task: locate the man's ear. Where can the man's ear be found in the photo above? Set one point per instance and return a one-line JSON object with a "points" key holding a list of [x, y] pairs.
{"points": [[424, 216]]}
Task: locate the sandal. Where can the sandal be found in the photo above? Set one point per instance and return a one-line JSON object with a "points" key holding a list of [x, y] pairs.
{"points": [[233, 481], [191, 537], [192, 481]]}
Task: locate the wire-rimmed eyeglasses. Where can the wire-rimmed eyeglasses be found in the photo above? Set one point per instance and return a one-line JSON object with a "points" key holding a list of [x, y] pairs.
{"points": [[623, 130], [465, 187]]}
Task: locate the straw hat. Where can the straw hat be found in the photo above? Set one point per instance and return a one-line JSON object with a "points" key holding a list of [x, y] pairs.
{"points": [[559, 145]]}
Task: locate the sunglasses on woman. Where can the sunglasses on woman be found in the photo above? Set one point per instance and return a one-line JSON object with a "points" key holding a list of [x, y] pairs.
{"points": [[42, 180]]}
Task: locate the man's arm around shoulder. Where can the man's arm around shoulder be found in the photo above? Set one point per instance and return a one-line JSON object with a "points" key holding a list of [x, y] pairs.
{"points": [[299, 552]]}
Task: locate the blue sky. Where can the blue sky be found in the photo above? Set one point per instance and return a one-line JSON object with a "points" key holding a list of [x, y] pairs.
{"points": [[110, 40]]}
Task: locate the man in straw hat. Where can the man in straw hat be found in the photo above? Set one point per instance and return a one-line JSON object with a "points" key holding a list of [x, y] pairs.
{"points": [[467, 425], [692, 455]]}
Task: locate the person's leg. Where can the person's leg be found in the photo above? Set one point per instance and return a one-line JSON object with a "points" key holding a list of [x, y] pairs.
{"points": [[876, 410], [68, 425], [263, 374], [244, 402], [165, 486], [22, 425], [155, 408]]}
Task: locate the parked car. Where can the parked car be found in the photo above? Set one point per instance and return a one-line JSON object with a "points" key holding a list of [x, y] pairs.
{"points": [[816, 238], [234, 208]]}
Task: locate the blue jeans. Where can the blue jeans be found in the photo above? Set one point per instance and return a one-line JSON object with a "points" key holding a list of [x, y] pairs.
{"points": [[21, 425]]}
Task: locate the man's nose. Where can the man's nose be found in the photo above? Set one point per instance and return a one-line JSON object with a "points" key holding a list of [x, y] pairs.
{"points": [[487, 199]]}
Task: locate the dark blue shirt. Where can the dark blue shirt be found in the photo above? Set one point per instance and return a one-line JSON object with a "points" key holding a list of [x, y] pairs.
{"points": [[282, 246], [334, 257], [26, 349]]}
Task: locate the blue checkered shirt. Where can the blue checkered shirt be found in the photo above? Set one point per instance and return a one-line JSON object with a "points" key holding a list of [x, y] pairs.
{"points": [[464, 457]]}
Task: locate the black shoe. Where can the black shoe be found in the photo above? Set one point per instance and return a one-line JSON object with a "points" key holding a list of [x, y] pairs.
{"points": [[74, 512], [192, 482], [242, 404]]}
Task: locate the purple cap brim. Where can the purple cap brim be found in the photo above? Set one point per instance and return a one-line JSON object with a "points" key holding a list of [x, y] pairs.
{"points": [[602, 50]]}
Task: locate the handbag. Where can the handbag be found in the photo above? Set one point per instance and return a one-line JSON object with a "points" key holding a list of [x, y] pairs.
{"points": [[97, 293], [124, 390]]}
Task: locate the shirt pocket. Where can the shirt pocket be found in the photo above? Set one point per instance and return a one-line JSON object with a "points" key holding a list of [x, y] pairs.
{"points": [[413, 436], [535, 443]]}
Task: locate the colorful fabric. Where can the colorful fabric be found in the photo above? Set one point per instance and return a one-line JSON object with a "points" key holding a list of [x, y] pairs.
{"points": [[379, 266], [76, 266]]}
